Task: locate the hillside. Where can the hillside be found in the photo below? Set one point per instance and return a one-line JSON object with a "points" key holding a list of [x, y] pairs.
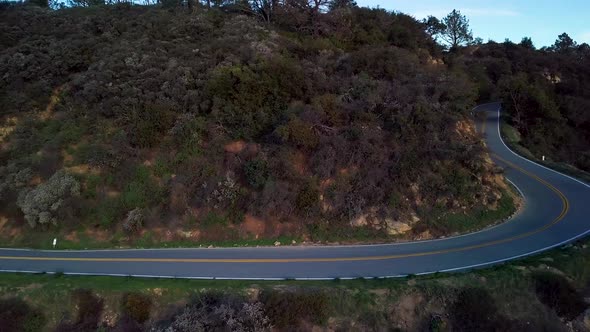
{"points": [[545, 92], [141, 125]]}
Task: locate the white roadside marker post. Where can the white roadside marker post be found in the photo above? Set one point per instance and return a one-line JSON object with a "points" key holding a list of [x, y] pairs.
{"points": [[543, 158], [54, 242]]}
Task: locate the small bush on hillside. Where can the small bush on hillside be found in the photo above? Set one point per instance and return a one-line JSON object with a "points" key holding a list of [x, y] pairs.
{"points": [[219, 312], [475, 310], [148, 124], [40, 205], [289, 309], [137, 306], [127, 324], [141, 190], [300, 134], [89, 311], [558, 294], [187, 130], [13, 177], [16, 316], [256, 171], [134, 221], [226, 191], [308, 197]]}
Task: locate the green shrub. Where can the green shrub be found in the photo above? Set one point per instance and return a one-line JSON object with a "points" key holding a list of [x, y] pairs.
{"points": [[558, 294], [308, 197], [299, 134], [142, 191], [63, 132], [475, 310], [134, 221], [212, 219], [289, 309], [41, 205], [147, 124], [188, 130], [216, 311], [89, 311], [137, 306], [108, 211], [256, 171], [16, 316]]}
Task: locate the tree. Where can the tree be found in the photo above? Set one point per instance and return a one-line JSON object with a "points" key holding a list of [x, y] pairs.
{"points": [[584, 51], [433, 26], [527, 42], [264, 8], [456, 30], [85, 3], [42, 204], [40, 3], [564, 43], [342, 4]]}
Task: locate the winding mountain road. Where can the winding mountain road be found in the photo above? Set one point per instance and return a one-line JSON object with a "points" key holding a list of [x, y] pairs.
{"points": [[556, 211]]}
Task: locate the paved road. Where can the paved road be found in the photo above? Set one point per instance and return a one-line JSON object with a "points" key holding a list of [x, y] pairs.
{"points": [[556, 212]]}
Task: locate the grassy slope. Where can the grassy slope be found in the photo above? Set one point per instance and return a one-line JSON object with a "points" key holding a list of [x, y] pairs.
{"points": [[450, 223], [512, 139]]}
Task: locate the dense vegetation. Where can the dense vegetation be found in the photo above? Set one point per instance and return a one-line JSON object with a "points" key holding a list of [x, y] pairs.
{"points": [[224, 125], [222, 121], [544, 91]]}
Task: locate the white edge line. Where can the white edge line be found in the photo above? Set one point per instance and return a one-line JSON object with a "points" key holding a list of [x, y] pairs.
{"points": [[517, 188], [530, 161], [460, 268]]}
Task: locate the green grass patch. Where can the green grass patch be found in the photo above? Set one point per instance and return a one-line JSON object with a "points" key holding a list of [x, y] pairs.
{"points": [[475, 219], [63, 132], [142, 191], [213, 219]]}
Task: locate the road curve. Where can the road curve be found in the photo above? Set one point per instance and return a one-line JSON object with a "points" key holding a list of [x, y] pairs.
{"points": [[556, 212]]}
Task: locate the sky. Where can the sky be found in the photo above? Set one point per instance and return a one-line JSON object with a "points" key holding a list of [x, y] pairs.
{"points": [[542, 20]]}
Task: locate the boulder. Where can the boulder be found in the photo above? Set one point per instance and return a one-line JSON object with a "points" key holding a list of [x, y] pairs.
{"points": [[359, 221], [396, 227]]}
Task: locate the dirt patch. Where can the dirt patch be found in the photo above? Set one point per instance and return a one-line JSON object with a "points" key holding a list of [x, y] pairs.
{"points": [[83, 169], [97, 234], [9, 231], [299, 162], [193, 235], [465, 128], [253, 226], [112, 193], [3, 221], [406, 311], [8, 127], [53, 101], [72, 237], [235, 146]]}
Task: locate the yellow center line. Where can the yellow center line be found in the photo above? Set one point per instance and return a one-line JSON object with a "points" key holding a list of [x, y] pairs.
{"points": [[564, 211]]}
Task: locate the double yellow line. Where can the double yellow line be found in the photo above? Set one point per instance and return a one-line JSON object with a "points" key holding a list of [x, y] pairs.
{"points": [[564, 211]]}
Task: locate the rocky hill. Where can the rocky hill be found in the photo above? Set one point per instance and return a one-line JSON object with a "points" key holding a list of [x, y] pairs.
{"points": [[166, 124]]}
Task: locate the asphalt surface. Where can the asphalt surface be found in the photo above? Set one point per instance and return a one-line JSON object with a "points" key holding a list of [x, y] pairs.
{"points": [[556, 212]]}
